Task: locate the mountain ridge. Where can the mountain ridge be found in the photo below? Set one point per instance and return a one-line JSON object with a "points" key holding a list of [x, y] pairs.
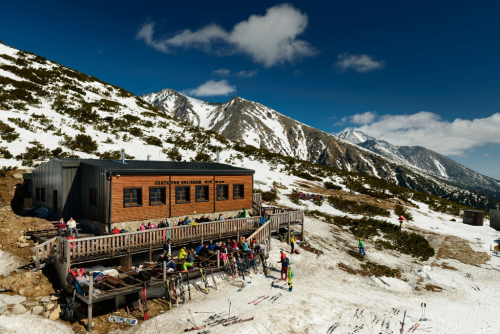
{"points": [[254, 124]]}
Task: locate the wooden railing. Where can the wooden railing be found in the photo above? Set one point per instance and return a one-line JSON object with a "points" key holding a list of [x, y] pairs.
{"points": [[44, 251], [257, 198], [130, 241]]}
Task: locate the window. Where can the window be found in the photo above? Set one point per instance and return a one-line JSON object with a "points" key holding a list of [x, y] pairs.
{"points": [[42, 194], [37, 194], [132, 197], [222, 192], [202, 194], [238, 191], [93, 196], [182, 195], [157, 196]]}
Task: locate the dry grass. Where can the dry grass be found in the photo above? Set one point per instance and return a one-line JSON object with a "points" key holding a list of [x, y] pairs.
{"points": [[459, 249], [433, 288]]}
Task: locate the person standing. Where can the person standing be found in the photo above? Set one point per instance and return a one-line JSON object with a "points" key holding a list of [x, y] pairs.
{"points": [[245, 213], [292, 244], [290, 275], [72, 227], [61, 227], [167, 246], [284, 265], [182, 253], [361, 246]]}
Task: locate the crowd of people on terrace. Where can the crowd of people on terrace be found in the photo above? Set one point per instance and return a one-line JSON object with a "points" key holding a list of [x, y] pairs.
{"points": [[69, 229], [308, 197]]}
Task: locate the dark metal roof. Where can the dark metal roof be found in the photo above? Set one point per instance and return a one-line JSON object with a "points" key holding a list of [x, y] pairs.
{"points": [[162, 167]]}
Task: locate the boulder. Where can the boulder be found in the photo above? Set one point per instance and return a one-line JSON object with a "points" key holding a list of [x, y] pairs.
{"points": [[19, 309], [3, 309], [46, 314], [54, 315], [23, 244], [31, 304], [28, 274], [86, 323], [37, 310], [45, 299], [54, 297], [50, 306]]}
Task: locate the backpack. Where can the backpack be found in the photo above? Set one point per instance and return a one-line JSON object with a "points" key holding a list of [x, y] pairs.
{"points": [[293, 274], [70, 279], [296, 251]]}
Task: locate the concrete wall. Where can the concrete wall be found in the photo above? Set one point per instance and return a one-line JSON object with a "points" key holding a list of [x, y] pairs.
{"points": [[495, 219]]}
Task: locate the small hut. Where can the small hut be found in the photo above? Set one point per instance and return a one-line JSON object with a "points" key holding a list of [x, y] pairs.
{"points": [[473, 217], [495, 219]]}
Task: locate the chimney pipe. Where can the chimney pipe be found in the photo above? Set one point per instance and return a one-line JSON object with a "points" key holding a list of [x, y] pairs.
{"points": [[123, 156], [218, 160], [149, 157]]}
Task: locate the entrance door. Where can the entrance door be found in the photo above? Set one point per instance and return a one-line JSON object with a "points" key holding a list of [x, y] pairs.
{"points": [[55, 203]]}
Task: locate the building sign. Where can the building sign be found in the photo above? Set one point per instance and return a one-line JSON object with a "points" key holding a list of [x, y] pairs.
{"points": [[164, 183]]}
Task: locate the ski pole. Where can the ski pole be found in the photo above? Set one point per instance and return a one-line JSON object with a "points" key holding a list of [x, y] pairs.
{"points": [[192, 317], [229, 316], [256, 329], [267, 328]]}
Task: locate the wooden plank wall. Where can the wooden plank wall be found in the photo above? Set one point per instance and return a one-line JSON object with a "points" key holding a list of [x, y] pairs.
{"points": [[171, 208]]}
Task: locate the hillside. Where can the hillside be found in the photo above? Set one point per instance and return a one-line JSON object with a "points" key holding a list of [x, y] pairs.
{"points": [[79, 115], [428, 161]]}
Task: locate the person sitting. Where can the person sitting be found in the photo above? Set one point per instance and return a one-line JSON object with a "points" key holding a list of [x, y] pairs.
{"points": [[218, 246], [204, 251], [182, 253], [221, 217], [145, 276], [153, 225], [252, 242], [200, 247], [197, 220], [189, 261], [187, 220], [161, 224], [245, 247], [263, 220], [116, 230], [234, 245], [211, 245], [61, 227], [142, 228]]}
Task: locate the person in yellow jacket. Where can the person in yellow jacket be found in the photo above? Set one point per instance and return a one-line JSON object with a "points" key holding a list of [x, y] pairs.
{"points": [[292, 243], [182, 253], [290, 275]]}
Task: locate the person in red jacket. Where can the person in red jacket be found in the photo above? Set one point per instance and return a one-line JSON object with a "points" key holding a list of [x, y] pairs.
{"points": [[284, 265], [115, 230]]}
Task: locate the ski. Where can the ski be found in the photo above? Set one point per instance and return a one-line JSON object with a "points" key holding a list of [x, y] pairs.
{"points": [[221, 321], [204, 279], [213, 277], [414, 329], [181, 289], [194, 328], [240, 266], [253, 301], [189, 287], [279, 295], [356, 313], [215, 316], [237, 321], [145, 302], [261, 300]]}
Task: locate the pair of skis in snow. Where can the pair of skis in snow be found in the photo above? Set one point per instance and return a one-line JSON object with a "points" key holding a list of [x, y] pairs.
{"points": [[414, 327], [333, 327]]}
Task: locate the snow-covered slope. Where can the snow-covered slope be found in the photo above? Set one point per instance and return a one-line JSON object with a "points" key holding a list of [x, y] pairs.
{"points": [[428, 161], [49, 110]]}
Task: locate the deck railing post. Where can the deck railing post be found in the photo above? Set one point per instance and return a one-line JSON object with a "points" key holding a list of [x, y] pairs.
{"points": [[270, 232], [164, 271], [218, 259], [89, 309]]}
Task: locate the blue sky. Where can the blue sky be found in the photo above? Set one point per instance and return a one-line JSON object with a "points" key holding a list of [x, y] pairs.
{"points": [[413, 73]]}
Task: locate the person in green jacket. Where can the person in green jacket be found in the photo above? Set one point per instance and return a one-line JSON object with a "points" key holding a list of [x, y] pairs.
{"points": [[361, 246], [189, 261]]}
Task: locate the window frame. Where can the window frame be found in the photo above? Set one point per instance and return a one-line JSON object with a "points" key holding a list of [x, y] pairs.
{"points": [[207, 194], [242, 190], [163, 194], [93, 197], [227, 193], [188, 195], [42, 195], [139, 197]]}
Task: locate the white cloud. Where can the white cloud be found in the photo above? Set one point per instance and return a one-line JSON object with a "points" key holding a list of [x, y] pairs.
{"points": [[269, 39], [358, 63], [364, 118], [246, 74], [212, 88], [221, 72], [429, 130]]}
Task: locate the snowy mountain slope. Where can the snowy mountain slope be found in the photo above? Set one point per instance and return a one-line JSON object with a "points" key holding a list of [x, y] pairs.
{"points": [[255, 124], [49, 110], [428, 161]]}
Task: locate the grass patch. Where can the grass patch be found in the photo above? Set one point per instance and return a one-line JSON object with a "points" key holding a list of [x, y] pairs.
{"points": [[404, 242], [354, 207]]}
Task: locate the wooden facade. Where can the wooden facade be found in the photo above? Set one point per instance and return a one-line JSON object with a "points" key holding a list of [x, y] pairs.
{"points": [[170, 207], [116, 191]]}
